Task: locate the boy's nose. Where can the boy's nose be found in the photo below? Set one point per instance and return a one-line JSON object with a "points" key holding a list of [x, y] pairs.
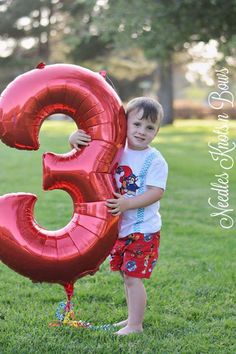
{"points": [[142, 131]]}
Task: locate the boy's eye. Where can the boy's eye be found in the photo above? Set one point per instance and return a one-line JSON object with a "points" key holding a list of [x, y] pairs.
{"points": [[150, 128], [137, 124]]}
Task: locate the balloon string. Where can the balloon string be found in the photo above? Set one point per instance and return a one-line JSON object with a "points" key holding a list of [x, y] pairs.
{"points": [[111, 83], [67, 318], [103, 73], [69, 289]]}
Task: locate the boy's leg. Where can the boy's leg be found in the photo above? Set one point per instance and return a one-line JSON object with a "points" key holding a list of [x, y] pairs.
{"points": [[115, 265], [125, 322], [136, 305]]}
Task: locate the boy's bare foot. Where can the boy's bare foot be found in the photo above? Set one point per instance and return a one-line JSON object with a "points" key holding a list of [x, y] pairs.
{"points": [[128, 330], [121, 324]]}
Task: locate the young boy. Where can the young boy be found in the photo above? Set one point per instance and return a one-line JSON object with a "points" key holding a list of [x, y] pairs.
{"points": [[141, 178]]}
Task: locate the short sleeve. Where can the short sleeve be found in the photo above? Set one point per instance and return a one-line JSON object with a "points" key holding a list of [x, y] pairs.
{"points": [[157, 173]]}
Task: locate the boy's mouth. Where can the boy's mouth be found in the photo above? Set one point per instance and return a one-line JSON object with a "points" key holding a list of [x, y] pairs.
{"points": [[139, 138]]}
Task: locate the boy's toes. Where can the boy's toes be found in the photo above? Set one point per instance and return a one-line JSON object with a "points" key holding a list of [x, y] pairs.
{"points": [[129, 330], [121, 324]]}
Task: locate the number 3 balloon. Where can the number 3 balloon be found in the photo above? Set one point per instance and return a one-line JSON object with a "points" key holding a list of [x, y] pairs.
{"points": [[80, 247]]}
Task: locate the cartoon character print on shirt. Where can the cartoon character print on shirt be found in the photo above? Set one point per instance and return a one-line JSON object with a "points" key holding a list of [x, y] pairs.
{"points": [[127, 180]]}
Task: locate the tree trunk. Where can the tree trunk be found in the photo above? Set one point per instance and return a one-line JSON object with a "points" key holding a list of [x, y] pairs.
{"points": [[44, 46], [165, 93]]}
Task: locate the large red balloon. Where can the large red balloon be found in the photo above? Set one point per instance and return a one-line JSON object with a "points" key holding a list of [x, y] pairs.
{"points": [[80, 247]]}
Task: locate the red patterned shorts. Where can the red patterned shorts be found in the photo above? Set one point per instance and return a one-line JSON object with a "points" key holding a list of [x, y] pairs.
{"points": [[136, 254]]}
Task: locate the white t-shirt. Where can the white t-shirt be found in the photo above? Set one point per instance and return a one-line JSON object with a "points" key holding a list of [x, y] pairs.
{"points": [[137, 170]]}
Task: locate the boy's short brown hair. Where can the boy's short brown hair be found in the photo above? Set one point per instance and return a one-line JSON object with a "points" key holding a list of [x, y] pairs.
{"points": [[151, 108]]}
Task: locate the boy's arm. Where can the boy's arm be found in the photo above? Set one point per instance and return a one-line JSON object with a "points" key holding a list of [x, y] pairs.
{"points": [[121, 204]]}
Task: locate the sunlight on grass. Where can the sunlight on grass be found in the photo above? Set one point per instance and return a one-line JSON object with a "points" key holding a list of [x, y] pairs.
{"points": [[202, 123], [55, 128], [201, 131]]}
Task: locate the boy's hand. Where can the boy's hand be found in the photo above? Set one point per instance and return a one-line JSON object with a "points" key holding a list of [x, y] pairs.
{"points": [[117, 206], [79, 138]]}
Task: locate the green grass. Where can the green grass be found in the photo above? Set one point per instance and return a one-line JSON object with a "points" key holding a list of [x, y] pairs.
{"points": [[191, 295]]}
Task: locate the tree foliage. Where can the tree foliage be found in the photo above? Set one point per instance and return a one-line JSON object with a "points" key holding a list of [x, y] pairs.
{"points": [[165, 26], [77, 30], [39, 21]]}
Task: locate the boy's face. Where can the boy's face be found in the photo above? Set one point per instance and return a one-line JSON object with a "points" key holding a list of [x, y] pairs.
{"points": [[140, 132]]}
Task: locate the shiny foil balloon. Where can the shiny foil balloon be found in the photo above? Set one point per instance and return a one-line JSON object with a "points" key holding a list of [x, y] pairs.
{"points": [[79, 248]]}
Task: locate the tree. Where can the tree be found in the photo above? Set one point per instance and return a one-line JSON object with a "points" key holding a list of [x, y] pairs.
{"points": [[163, 28], [32, 26], [86, 29]]}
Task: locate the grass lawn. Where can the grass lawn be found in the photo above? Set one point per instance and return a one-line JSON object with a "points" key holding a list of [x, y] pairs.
{"points": [[191, 295]]}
